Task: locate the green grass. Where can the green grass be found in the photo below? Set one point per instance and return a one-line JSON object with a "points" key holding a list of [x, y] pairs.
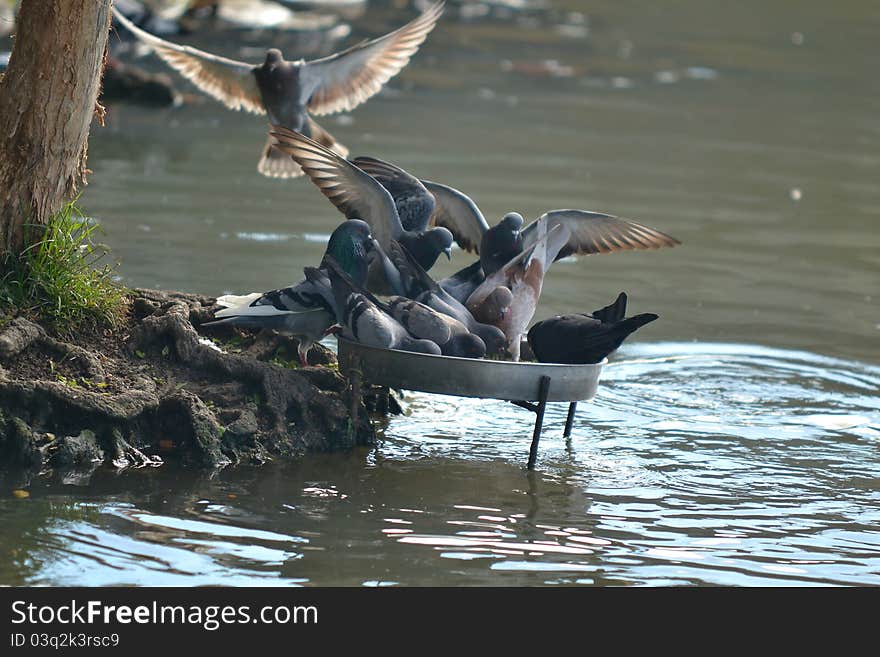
{"points": [[60, 279]]}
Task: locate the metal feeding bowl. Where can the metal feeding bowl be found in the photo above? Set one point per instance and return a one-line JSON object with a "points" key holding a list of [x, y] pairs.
{"points": [[468, 377], [520, 383]]}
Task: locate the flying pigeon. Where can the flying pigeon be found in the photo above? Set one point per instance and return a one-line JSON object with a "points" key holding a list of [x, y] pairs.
{"points": [[289, 91]]}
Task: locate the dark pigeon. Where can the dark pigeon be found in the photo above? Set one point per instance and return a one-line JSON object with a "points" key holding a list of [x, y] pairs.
{"points": [[585, 338]]}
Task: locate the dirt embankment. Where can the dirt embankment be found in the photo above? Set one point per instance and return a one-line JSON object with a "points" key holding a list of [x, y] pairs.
{"points": [[160, 389]]}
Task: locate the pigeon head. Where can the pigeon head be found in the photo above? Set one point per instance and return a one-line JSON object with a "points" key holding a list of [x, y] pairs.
{"points": [[422, 347], [496, 305], [501, 243], [493, 339], [442, 239], [350, 245], [273, 57], [466, 345], [512, 221], [426, 247]]}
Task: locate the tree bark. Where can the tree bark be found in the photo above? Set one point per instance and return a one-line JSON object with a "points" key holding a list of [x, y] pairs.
{"points": [[48, 97]]}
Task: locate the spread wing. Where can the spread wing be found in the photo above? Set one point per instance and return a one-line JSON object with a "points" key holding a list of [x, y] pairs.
{"points": [[594, 232], [229, 81], [458, 213], [356, 194], [414, 203], [343, 81]]}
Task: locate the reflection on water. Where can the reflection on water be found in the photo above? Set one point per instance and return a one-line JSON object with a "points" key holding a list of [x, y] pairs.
{"points": [[695, 464], [748, 130]]}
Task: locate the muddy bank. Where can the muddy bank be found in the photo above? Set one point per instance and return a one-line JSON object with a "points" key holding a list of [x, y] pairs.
{"points": [[161, 388]]}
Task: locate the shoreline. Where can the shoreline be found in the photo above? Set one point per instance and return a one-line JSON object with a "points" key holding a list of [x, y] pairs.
{"points": [[159, 388]]}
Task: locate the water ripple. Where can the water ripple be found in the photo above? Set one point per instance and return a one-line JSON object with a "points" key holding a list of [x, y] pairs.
{"points": [[734, 463]]}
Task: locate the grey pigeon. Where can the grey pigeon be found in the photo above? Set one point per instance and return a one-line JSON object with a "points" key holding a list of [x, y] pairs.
{"points": [[417, 284], [452, 336], [415, 204], [289, 91], [364, 322], [585, 338], [423, 322], [306, 309], [358, 195], [419, 320]]}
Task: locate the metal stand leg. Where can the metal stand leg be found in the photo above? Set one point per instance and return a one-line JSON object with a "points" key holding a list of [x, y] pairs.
{"points": [[572, 407], [543, 391]]}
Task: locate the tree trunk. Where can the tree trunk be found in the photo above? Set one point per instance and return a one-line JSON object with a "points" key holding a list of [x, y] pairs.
{"points": [[47, 100]]}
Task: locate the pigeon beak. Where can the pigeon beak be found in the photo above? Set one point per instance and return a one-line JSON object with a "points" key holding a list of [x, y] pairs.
{"points": [[372, 248], [448, 252], [503, 313]]}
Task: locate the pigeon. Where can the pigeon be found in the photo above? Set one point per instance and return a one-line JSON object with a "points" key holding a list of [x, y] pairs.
{"points": [[423, 322], [419, 320], [452, 336], [306, 309], [508, 298], [358, 195], [584, 338], [462, 283], [589, 233], [439, 205], [289, 91], [414, 203], [363, 321], [416, 284], [428, 203]]}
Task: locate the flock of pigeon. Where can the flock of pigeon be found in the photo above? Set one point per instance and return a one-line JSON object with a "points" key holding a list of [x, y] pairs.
{"points": [[372, 284]]}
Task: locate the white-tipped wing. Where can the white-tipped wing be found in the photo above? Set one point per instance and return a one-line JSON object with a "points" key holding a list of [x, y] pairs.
{"points": [[458, 213], [343, 81], [229, 81], [234, 300], [259, 311], [356, 194], [595, 232], [257, 304]]}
